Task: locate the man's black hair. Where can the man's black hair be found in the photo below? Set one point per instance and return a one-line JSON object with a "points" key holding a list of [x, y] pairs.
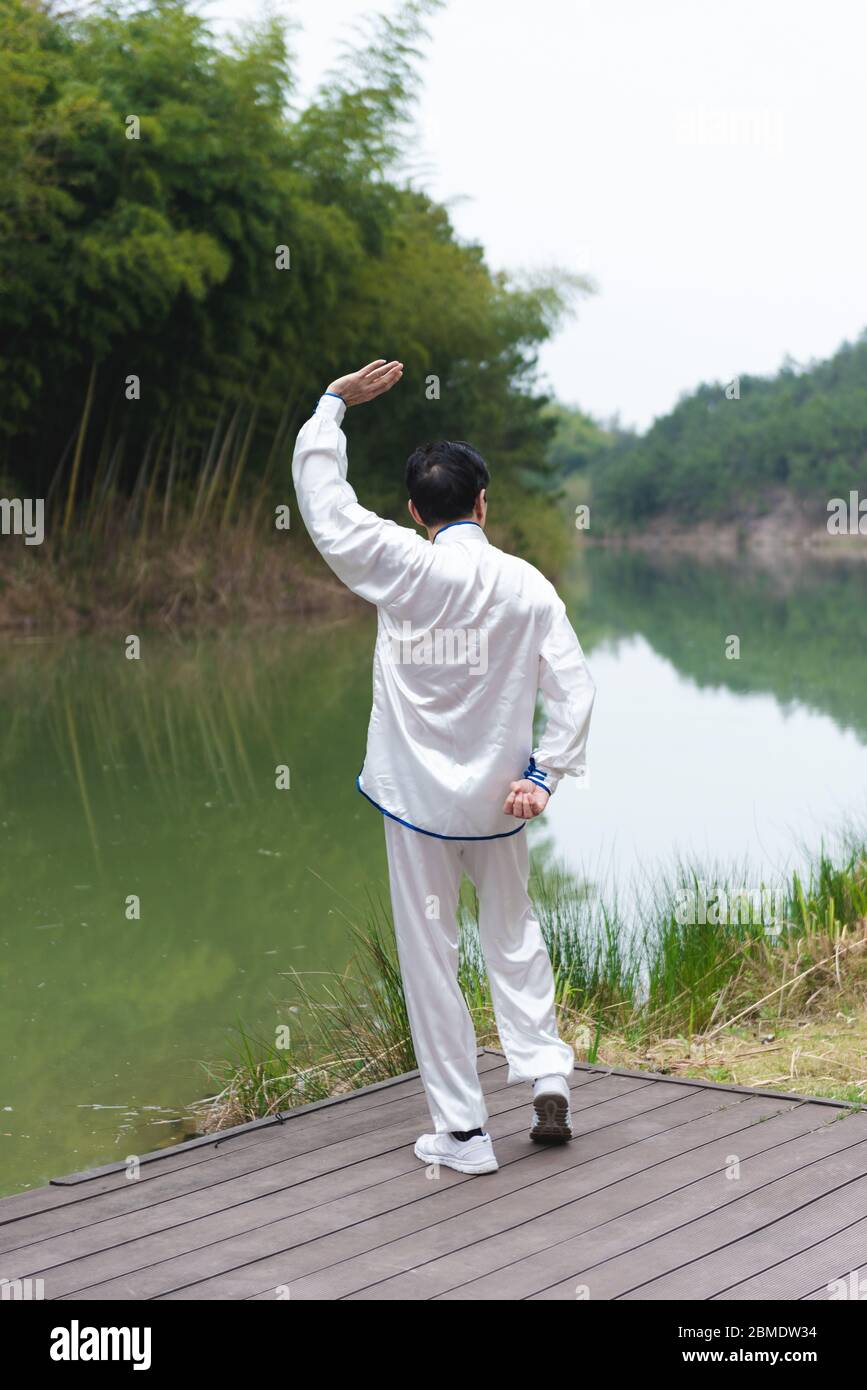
{"points": [[444, 480]]}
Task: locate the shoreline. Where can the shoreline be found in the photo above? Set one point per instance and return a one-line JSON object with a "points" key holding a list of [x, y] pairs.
{"points": [[178, 581], [784, 533], [173, 584]]}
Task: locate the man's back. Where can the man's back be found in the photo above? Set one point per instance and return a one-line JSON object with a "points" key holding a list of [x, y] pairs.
{"points": [[467, 636], [456, 671]]}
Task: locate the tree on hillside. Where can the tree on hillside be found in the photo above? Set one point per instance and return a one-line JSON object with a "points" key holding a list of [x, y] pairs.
{"points": [[721, 455]]}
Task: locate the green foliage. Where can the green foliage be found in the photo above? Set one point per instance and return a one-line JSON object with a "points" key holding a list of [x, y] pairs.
{"points": [[156, 257], [577, 441], [803, 431]]}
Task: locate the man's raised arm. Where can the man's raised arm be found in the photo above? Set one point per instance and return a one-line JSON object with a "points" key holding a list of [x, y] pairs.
{"points": [[375, 558]]}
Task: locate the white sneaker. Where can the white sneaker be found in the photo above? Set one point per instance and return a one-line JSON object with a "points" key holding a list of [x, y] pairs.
{"points": [[474, 1155], [552, 1119]]}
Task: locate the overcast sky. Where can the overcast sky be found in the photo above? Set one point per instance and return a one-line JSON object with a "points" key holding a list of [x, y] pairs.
{"points": [[703, 161]]}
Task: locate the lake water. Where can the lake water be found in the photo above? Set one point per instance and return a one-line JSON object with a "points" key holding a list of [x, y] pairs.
{"points": [[156, 778]]}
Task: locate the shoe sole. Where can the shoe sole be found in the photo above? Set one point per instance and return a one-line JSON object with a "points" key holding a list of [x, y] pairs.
{"points": [[459, 1166], [552, 1119]]}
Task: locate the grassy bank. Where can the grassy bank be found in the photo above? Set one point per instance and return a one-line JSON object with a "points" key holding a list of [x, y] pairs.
{"points": [[179, 578], [781, 1005], [210, 556]]}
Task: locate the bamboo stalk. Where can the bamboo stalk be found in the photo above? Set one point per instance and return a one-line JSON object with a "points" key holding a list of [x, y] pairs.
{"points": [[203, 472], [102, 505], [221, 459], [103, 463], [170, 479], [79, 450], [274, 452], [137, 488], [239, 467], [151, 490]]}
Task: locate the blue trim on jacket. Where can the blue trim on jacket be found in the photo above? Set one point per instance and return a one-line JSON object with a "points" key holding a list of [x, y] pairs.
{"points": [[436, 538], [504, 835], [534, 774]]}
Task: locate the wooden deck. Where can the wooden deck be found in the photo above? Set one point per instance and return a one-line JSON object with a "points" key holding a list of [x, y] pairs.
{"points": [[672, 1189]]}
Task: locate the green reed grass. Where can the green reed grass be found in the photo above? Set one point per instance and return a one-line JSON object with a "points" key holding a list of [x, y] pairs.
{"points": [[642, 976]]}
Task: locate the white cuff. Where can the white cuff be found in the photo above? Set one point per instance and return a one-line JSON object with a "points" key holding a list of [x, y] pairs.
{"points": [[332, 407]]}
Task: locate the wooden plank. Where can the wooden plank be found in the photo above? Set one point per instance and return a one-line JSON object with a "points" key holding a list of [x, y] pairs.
{"points": [[838, 1257], [518, 1259], [279, 1167], [848, 1262], [163, 1269], [709, 1217], [588, 1236], [342, 1247], [192, 1170], [332, 1201], [813, 1213], [275, 1175], [592, 1163], [333, 1236], [251, 1163], [78, 1187]]}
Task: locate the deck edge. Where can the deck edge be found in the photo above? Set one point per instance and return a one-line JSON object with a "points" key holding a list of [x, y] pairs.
{"points": [[851, 1105], [201, 1140]]}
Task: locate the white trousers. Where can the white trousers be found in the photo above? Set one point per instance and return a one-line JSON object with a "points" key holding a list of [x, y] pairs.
{"points": [[425, 875]]}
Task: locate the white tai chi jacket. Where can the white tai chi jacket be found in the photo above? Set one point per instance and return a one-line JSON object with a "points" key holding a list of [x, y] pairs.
{"points": [[467, 637]]}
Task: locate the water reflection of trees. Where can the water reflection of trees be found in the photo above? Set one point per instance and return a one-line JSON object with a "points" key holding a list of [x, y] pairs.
{"points": [[802, 625]]}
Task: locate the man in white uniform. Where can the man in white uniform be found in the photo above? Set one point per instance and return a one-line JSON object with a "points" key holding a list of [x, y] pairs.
{"points": [[467, 638]]}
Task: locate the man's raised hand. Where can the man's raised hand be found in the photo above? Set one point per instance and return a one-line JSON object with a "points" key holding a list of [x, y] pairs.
{"points": [[526, 799], [373, 380]]}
